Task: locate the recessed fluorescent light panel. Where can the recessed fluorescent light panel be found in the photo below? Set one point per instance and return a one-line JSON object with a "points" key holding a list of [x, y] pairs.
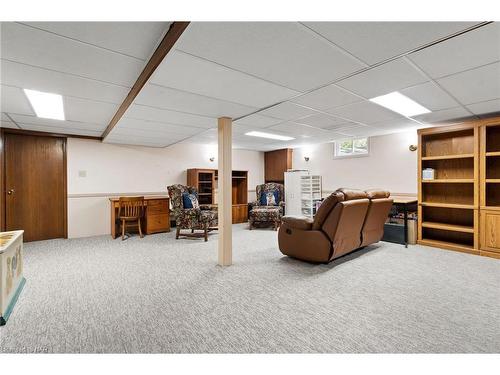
{"points": [[401, 104], [46, 105], [270, 136]]}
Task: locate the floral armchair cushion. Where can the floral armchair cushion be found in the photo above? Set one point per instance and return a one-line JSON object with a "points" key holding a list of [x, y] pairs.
{"points": [[278, 192], [190, 218]]}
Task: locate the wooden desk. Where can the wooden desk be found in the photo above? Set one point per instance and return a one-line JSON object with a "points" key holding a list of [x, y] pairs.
{"points": [[157, 215], [403, 199], [404, 202]]}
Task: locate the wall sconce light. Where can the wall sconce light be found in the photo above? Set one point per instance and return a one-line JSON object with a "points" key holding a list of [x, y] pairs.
{"points": [[413, 148], [306, 158], [212, 159]]}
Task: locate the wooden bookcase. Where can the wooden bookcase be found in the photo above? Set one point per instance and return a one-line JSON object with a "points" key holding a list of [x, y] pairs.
{"points": [[460, 208], [205, 180], [490, 188], [449, 205]]}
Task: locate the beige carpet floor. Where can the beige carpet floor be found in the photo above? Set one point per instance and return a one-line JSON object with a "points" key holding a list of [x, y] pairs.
{"points": [[161, 295]]}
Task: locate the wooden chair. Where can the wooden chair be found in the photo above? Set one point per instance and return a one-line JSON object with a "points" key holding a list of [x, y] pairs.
{"points": [[130, 209]]}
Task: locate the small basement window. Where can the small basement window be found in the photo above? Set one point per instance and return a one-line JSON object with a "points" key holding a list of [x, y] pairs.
{"points": [[353, 147]]}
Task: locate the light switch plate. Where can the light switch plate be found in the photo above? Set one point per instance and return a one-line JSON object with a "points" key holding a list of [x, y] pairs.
{"points": [[82, 173]]}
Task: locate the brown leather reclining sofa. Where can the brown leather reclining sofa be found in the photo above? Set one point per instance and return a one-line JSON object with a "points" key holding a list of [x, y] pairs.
{"points": [[347, 220]]}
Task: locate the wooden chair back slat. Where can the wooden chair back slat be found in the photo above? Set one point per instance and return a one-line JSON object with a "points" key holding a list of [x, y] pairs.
{"points": [[130, 207]]}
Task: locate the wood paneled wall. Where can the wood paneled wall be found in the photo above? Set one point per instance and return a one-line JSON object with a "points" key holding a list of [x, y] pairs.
{"points": [[276, 163]]}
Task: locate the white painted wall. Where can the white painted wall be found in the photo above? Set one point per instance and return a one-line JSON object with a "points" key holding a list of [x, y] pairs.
{"points": [[390, 165], [113, 170], [117, 169]]}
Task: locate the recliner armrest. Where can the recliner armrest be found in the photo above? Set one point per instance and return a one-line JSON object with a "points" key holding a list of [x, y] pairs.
{"points": [[298, 222]]}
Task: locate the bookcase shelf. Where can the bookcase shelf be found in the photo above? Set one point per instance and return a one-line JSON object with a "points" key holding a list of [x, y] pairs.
{"points": [[450, 227], [449, 204], [449, 246], [450, 181], [447, 157]]}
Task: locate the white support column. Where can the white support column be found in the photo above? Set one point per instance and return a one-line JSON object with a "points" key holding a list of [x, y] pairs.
{"points": [[224, 192]]}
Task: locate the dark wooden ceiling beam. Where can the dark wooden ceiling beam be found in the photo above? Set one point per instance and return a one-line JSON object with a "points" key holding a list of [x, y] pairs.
{"points": [[173, 34]]}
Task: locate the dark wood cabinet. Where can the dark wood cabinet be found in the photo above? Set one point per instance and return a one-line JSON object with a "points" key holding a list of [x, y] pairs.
{"points": [[276, 163]]}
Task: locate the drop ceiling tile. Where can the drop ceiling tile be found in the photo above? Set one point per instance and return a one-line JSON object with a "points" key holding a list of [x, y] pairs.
{"points": [[276, 51], [251, 140], [239, 129], [365, 112], [334, 136], [141, 112], [466, 51], [399, 124], [383, 79], [30, 77], [288, 111], [476, 85], [258, 121], [327, 97], [373, 42], [13, 100], [137, 39], [343, 125], [35, 47], [37, 121], [446, 115], [138, 142], [193, 74], [359, 131], [321, 120], [158, 136], [201, 139], [241, 145], [84, 110], [181, 101], [61, 130], [132, 135], [6, 122], [297, 130], [156, 127], [490, 106], [431, 96]]}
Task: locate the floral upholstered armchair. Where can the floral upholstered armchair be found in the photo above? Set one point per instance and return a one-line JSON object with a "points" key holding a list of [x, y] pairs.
{"points": [[269, 206], [194, 217]]}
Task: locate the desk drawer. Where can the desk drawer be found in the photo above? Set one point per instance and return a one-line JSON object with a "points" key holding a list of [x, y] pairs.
{"points": [[157, 223], [157, 206]]}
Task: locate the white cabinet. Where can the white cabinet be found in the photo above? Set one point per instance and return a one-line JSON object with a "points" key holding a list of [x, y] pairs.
{"points": [[302, 192], [310, 196], [293, 205]]}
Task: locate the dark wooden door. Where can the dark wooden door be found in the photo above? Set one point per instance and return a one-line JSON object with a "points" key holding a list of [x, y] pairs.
{"points": [[35, 186]]}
